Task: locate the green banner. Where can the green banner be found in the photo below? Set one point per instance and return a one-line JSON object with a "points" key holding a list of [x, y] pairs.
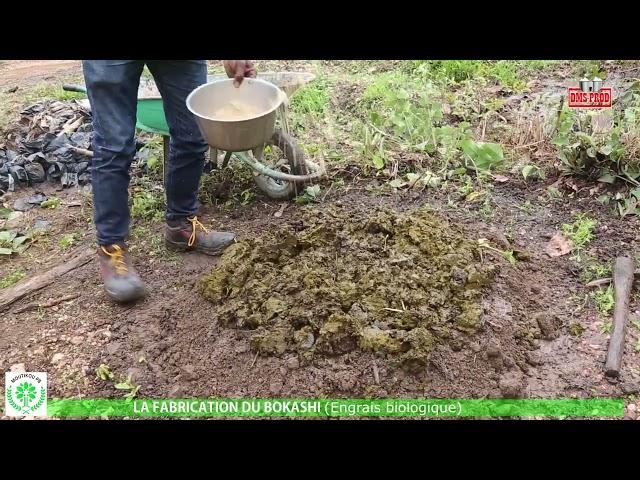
{"points": [[203, 407]]}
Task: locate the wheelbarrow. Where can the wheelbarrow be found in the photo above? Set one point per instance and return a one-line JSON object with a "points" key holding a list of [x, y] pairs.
{"points": [[278, 178]]}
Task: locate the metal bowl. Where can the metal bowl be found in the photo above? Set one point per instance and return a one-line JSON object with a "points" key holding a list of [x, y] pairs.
{"points": [[230, 134]]}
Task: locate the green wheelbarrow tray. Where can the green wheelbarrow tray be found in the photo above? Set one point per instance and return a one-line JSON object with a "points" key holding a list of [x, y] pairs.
{"points": [[150, 116]]}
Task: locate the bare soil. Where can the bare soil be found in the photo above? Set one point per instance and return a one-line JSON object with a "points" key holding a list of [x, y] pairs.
{"points": [[173, 344]]}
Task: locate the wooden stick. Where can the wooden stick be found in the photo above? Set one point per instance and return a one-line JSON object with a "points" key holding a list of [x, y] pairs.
{"points": [[28, 286], [82, 151], [606, 281], [622, 282], [69, 128], [254, 360], [376, 374], [50, 303]]}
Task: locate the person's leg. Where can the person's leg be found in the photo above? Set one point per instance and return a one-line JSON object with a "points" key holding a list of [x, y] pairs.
{"points": [[112, 88], [176, 79]]}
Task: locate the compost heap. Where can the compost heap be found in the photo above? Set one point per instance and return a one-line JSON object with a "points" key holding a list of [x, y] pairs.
{"points": [[333, 282]]}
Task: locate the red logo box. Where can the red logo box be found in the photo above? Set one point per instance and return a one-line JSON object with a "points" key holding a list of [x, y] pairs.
{"points": [[600, 99]]}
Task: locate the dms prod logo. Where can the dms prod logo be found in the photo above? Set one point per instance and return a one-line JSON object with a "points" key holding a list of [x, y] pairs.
{"points": [[590, 94]]}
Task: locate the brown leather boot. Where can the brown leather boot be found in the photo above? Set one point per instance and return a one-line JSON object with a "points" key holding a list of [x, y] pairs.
{"points": [[190, 234], [121, 281]]}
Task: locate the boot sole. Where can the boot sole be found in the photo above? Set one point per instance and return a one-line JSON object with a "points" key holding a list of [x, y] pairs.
{"points": [[136, 295], [183, 247]]}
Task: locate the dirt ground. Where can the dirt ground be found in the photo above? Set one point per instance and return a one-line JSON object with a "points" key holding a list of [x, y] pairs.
{"points": [[14, 72], [173, 346]]}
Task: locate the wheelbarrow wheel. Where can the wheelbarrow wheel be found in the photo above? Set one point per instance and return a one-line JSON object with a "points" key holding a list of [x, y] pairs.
{"points": [[290, 160]]}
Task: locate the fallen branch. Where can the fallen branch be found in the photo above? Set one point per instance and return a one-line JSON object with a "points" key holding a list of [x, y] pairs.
{"points": [[622, 282], [600, 282], [50, 303], [31, 285]]}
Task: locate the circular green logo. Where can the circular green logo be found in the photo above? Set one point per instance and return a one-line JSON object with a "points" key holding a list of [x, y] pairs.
{"points": [[25, 398]]}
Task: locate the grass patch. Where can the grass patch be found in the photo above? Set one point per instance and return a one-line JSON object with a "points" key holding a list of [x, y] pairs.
{"points": [[309, 101], [594, 270], [604, 300], [606, 327], [580, 232], [148, 206], [509, 74], [400, 112], [69, 239], [11, 278], [47, 91]]}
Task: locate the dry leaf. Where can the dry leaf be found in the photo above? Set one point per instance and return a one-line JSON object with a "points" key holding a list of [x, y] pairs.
{"points": [[558, 246], [500, 178], [495, 89], [278, 214]]}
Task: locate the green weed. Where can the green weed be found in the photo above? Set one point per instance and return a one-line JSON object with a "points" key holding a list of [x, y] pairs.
{"points": [[11, 278], [147, 206], [580, 232], [604, 300], [69, 239]]}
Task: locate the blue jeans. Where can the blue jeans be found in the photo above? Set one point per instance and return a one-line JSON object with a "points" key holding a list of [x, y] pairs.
{"points": [[112, 88]]}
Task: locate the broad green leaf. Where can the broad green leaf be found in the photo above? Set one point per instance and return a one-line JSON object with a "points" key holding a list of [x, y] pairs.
{"points": [[19, 241], [606, 150], [632, 171], [431, 180], [5, 212], [7, 236], [530, 171], [5, 251], [607, 178], [508, 255], [483, 156], [313, 191], [378, 161], [412, 177], [152, 162]]}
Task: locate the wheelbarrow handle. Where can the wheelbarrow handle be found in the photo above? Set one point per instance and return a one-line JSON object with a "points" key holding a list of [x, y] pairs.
{"points": [[74, 88]]}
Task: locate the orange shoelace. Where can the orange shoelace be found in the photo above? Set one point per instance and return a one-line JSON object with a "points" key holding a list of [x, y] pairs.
{"points": [[195, 223], [117, 259]]}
